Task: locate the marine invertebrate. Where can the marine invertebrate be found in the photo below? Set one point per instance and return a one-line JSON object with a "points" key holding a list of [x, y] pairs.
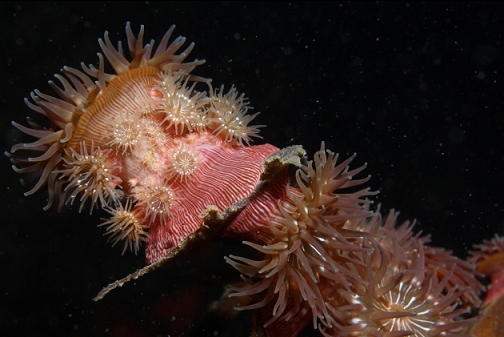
{"points": [[156, 198], [173, 165], [125, 224], [142, 115], [181, 106], [307, 230], [228, 112], [489, 259], [332, 259], [126, 132], [398, 298], [184, 161], [93, 175]]}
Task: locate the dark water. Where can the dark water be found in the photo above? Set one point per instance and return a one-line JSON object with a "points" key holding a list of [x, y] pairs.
{"points": [[415, 89]]}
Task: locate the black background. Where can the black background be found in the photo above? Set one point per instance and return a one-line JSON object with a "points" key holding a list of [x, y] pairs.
{"points": [[415, 89]]}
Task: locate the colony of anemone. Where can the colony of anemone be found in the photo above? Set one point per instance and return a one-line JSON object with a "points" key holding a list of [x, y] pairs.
{"points": [[157, 152], [133, 139], [334, 261]]}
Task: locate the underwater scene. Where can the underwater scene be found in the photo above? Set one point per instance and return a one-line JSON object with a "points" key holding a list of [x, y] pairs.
{"points": [[252, 169]]}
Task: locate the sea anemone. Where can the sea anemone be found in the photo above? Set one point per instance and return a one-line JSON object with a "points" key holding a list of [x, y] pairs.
{"points": [[157, 198], [126, 132], [181, 106], [487, 248], [164, 57], [489, 259], [332, 257], [398, 300], [184, 161], [436, 260], [228, 114], [78, 94], [43, 156], [308, 235], [93, 176], [412, 289], [125, 224]]}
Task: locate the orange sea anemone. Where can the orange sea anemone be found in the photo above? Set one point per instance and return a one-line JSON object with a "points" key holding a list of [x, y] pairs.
{"points": [[489, 259]]}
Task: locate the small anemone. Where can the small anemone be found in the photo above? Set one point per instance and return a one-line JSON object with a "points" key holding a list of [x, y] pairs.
{"points": [[184, 161], [126, 132], [153, 132], [157, 198], [93, 175], [181, 106], [125, 224], [228, 114]]}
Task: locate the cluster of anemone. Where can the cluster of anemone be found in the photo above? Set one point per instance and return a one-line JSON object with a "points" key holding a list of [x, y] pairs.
{"points": [[133, 142], [333, 262], [99, 138]]}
